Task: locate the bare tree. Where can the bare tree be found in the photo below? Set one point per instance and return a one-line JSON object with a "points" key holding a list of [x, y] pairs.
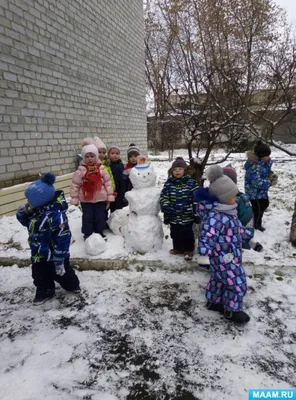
{"points": [[232, 72]]}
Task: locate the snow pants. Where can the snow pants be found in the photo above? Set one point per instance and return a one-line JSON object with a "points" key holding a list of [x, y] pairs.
{"points": [[183, 237], [259, 207], [227, 285], [44, 278], [93, 217]]}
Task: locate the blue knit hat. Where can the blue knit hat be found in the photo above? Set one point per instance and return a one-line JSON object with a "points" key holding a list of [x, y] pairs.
{"points": [[41, 192]]}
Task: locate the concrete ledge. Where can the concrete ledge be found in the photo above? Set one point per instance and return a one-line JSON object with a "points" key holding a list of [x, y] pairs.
{"points": [[107, 264]]}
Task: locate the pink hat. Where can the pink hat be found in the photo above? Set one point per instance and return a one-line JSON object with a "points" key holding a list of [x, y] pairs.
{"points": [[90, 148], [99, 143]]}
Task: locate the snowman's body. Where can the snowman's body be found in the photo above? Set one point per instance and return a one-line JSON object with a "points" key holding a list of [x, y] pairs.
{"points": [[143, 231]]}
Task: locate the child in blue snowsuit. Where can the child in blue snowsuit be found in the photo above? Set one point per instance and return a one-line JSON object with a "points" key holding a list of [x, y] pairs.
{"points": [[221, 237], [49, 237], [258, 179]]}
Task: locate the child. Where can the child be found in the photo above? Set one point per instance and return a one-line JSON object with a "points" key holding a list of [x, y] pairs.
{"points": [[221, 238], [49, 237], [258, 179], [176, 202], [132, 155], [91, 187], [117, 167], [244, 210]]}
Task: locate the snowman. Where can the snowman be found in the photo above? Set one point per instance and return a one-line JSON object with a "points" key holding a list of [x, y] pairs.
{"points": [[143, 231]]}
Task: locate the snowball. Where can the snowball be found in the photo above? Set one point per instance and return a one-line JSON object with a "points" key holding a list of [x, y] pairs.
{"points": [[95, 244], [117, 220]]}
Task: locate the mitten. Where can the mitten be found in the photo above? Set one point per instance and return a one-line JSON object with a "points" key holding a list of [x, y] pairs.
{"points": [[166, 219], [115, 194], [60, 269]]}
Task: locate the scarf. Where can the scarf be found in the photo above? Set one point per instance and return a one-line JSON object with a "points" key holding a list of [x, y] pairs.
{"points": [[129, 166], [226, 208], [92, 181]]}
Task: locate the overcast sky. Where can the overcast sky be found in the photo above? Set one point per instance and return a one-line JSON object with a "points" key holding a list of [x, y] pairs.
{"points": [[290, 7]]}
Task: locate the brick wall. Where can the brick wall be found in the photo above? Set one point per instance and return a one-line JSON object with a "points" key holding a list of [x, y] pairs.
{"points": [[68, 69]]}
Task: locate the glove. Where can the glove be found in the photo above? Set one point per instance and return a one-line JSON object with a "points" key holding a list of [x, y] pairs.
{"points": [[25, 209], [166, 219], [60, 269], [196, 219], [115, 194]]}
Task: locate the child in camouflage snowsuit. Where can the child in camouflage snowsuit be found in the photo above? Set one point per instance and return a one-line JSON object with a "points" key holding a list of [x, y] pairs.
{"points": [[176, 202], [221, 237], [49, 237]]}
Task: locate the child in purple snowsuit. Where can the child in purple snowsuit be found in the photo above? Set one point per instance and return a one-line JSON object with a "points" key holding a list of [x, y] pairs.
{"points": [[221, 237]]}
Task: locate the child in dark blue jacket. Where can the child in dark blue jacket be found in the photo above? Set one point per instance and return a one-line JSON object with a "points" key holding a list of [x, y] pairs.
{"points": [[117, 168], [49, 237]]}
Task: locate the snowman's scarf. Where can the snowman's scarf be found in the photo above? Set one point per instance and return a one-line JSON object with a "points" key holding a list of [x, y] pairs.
{"points": [[129, 165], [92, 181]]}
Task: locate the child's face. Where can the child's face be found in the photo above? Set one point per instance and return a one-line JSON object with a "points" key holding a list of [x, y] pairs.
{"points": [[232, 201], [102, 154], [133, 158], [265, 158], [90, 159], [114, 155], [178, 172]]}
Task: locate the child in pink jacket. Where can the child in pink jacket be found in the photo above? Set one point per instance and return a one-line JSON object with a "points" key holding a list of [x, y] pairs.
{"points": [[91, 187]]}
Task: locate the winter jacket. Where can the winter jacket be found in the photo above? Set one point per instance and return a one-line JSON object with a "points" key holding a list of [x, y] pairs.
{"points": [[109, 170], [221, 236], [105, 194], [176, 199], [117, 170], [256, 178], [126, 183], [49, 232]]}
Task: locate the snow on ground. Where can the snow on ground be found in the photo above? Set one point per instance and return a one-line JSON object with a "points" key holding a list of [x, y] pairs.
{"points": [[146, 335], [143, 335]]}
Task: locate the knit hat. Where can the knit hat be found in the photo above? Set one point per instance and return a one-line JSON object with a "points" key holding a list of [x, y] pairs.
{"points": [[179, 162], [230, 172], [221, 185], [99, 143], [113, 146], [261, 149], [90, 148], [41, 192], [132, 149]]}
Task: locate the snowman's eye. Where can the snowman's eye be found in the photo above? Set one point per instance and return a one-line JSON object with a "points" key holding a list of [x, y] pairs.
{"points": [[148, 173], [138, 173]]}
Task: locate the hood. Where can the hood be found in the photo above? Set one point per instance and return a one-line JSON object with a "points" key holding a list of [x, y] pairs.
{"points": [[59, 203], [179, 181], [206, 201], [203, 194], [252, 159]]}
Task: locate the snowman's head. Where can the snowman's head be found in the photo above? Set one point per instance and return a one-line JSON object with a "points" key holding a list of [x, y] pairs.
{"points": [[143, 176]]}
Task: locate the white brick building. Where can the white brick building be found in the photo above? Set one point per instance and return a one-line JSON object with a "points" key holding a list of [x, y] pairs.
{"points": [[68, 69]]}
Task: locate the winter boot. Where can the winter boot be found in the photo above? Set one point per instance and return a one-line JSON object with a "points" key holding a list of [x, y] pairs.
{"points": [[240, 317], [188, 255], [260, 228], [175, 252], [219, 307]]}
